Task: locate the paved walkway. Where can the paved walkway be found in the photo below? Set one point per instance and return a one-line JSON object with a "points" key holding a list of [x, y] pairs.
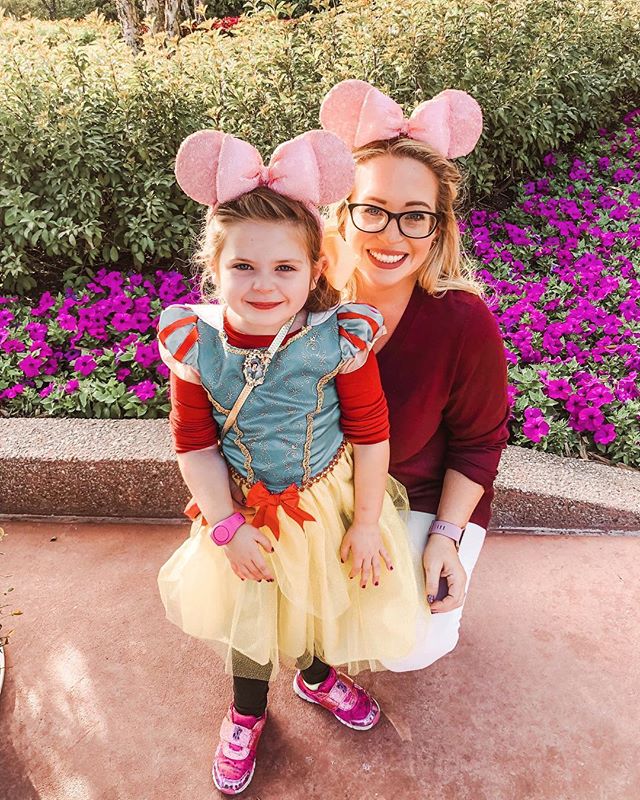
{"points": [[105, 700]]}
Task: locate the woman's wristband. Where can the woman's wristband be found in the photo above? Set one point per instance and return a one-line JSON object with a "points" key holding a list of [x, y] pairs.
{"points": [[447, 529]]}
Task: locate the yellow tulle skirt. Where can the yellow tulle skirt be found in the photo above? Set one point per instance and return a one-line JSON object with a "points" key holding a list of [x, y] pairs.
{"points": [[312, 607]]}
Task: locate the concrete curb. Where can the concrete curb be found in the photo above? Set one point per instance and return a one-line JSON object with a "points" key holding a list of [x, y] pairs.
{"points": [[126, 468]]}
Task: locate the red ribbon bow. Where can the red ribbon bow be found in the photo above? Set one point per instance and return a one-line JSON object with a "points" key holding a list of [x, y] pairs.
{"points": [[267, 507]]}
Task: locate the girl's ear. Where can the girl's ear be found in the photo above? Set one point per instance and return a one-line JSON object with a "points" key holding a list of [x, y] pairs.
{"points": [[317, 269]]}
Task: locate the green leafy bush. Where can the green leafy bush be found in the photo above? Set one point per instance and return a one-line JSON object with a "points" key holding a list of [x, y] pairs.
{"points": [[89, 132]]}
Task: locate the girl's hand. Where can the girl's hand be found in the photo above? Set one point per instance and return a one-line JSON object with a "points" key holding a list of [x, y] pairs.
{"points": [[441, 559], [365, 544], [245, 556]]}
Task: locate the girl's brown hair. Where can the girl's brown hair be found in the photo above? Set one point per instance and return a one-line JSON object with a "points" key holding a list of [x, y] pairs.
{"points": [[445, 267], [265, 205]]}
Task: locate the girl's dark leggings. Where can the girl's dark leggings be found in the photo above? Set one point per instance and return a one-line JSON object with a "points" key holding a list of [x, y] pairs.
{"points": [[250, 694]]}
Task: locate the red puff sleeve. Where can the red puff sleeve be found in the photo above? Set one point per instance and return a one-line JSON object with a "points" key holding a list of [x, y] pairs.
{"points": [[192, 424]]}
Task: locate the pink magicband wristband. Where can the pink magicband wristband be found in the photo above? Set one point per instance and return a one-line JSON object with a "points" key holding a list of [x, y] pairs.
{"points": [[224, 531], [447, 529]]}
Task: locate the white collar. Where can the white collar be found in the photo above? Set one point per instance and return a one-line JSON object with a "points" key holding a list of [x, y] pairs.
{"points": [[213, 314]]}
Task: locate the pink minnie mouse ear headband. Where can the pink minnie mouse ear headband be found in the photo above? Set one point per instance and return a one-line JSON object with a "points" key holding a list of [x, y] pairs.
{"points": [[358, 113], [315, 168]]}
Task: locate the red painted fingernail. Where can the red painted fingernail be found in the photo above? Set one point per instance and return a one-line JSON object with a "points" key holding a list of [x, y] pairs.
{"points": [[391, 568], [377, 583], [341, 561]]}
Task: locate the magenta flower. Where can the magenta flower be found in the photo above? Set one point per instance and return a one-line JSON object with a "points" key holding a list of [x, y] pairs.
{"points": [[590, 418], [605, 434], [85, 365], [46, 302], [559, 389], [145, 390], [147, 354], [122, 373], [11, 392], [47, 390], [536, 428], [72, 386], [13, 346], [6, 318], [30, 366]]}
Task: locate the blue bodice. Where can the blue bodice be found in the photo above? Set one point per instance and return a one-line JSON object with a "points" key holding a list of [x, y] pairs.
{"points": [[288, 430]]}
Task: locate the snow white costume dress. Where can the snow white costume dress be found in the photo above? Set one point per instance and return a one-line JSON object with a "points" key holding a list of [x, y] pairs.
{"points": [[287, 452]]}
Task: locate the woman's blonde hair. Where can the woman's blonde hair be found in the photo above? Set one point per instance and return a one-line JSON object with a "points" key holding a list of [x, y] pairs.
{"points": [[264, 205], [446, 267]]}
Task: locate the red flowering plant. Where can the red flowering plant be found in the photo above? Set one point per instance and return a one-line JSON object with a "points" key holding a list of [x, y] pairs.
{"points": [[562, 275]]}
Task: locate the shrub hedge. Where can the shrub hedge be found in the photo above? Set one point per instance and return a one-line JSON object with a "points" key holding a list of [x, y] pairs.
{"points": [[89, 132]]}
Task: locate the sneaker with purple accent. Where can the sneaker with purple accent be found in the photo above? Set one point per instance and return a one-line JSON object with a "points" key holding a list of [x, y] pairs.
{"points": [[349, 703], [235, 760]]}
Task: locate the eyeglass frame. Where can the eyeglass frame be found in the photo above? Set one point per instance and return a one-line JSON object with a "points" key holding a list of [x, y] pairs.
{"points": [[397, 215]]}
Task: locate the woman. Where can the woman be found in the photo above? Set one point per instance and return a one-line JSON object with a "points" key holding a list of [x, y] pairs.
{"points": [[442, 361]]}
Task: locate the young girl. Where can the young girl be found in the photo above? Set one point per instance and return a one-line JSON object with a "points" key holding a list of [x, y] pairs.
{"points": [[276, 387]]}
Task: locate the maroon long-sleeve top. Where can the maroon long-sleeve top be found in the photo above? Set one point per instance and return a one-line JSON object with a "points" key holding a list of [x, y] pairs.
{"points": [[444, 374]]}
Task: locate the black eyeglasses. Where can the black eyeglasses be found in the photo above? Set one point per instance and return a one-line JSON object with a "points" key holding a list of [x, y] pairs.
{"points": [[412, 224]]}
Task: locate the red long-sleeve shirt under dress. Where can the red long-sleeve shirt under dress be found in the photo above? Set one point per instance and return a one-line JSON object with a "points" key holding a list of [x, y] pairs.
{"points": [[444, 374]]}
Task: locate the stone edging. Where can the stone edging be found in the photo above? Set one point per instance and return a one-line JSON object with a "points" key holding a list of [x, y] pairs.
{"points": [[126, 468]]}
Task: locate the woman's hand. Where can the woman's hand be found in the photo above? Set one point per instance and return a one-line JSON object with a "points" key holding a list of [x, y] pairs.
{"points": [[364, 542], [239, 503], [245, 556], [441, 559]]}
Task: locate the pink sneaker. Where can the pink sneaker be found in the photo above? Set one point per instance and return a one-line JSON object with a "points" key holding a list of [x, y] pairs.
{"points": [[235, 759], [349, 703]]}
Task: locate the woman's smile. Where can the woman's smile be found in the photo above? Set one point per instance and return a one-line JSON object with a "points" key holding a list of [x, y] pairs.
{"points": [[387, 259]]}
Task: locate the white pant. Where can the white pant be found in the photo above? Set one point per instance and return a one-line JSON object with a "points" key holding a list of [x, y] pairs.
{"points": [[437, 634]]}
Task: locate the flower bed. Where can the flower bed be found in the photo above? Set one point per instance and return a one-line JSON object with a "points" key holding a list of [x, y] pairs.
{"points": [[562, 277], [90, 352], [562, 272]]}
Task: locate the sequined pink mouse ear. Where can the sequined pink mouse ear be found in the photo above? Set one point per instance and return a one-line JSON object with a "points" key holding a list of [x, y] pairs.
{"points": [[197, 166], [316, 168], [359, 113], [451, 122], [213, 167]]}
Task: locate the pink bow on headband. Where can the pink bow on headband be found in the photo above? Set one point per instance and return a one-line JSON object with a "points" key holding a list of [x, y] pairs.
{"points": [[358, 113], [315, 168]]}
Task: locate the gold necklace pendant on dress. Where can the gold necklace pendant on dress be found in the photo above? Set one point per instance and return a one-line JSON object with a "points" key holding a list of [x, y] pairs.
{"points": [[254, 367]]}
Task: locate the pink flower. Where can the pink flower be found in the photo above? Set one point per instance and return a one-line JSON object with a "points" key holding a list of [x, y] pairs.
{"points": [[147, 354], [85, 365], [605, 434], [46, 302], [47, 390], [72, 386], [145, 390], [12, 392], [13, 346], [590, 418], [559, 389], [536, 428], [30, 366]]}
